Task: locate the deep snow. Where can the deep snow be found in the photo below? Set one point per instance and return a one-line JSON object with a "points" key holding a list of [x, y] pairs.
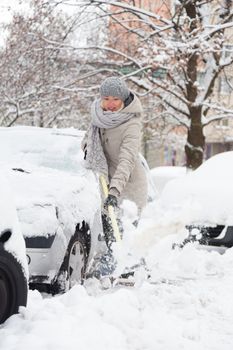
{"points": [[189, 305], [196, 312]]}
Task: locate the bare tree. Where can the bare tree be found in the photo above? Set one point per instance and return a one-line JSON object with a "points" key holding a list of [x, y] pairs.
{"points": [[176, 56], [33, 71]]}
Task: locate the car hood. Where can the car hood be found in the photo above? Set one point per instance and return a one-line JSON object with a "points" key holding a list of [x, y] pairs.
{"points": [[47, 199]]}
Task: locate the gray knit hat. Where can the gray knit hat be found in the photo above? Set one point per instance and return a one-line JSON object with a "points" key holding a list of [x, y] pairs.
{"points": [[116, 87]]}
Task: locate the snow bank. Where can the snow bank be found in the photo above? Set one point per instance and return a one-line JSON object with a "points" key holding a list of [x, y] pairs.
{"points": [[193, 311], [205, 195], [189, 305], [162, 174]]}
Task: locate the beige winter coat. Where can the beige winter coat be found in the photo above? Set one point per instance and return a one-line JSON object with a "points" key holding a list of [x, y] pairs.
{"points": [[121, 145]]}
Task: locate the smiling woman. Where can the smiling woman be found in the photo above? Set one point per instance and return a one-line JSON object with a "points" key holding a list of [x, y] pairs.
{"points": [[111, 103], [112, 143]]}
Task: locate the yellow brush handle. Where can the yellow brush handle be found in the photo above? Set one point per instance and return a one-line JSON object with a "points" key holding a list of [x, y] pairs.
{"points": [[111, 212], [104, 186]]}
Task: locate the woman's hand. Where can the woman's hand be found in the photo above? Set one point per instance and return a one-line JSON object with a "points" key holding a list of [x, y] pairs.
{"points": [[111, 200]]}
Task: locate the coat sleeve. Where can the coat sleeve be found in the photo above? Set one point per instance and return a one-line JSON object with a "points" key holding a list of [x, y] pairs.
{"points": [[130, 146]]}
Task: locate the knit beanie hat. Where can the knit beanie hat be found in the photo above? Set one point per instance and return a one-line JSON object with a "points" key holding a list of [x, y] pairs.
{"points": [[116, 87]]}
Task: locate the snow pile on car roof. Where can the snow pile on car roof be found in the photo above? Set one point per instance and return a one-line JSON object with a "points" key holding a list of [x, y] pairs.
{"points": [[204, 195]]}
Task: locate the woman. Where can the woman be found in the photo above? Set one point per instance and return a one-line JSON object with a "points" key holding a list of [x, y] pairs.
{"points": [[113, 141]]}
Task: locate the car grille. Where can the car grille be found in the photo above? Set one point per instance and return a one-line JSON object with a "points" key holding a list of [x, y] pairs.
{"points": [[213, 236], [39, 242], [212, 232]]}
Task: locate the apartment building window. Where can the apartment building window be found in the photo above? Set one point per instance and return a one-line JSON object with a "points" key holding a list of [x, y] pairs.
{"points": [[226, 79], [201, 77], [227, 51], [178, 13], [223, 122], [139, 3], [159, 73], [225, 85]]}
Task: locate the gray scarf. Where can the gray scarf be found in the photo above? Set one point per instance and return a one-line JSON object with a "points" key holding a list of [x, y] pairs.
{"points": [[95, 158]]}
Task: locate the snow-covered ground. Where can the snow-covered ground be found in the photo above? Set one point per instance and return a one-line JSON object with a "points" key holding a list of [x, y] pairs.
{"points": [[196, 312], [162, 174], [189, 305]]}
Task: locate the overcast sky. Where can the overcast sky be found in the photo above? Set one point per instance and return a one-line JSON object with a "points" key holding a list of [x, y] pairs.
{"points": [[7, 8]]}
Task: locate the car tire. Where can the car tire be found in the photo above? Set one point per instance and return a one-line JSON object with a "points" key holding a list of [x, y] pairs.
{"points": [[13, 285], [74, 265]]}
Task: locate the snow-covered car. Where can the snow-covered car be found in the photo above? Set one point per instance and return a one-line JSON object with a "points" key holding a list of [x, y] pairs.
{"points": [[13, 263], [202, 201], [161, 175], [57, 201]]}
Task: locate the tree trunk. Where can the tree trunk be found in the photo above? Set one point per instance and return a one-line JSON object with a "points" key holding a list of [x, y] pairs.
{"points": [[194, 148]]}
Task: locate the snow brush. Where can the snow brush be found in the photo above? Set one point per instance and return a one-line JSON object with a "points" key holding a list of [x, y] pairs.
{"points": [[111, 212], [104, 264]]}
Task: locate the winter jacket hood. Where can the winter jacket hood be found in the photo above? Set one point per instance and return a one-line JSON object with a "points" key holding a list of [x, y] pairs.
{"points": [[134, 107]]}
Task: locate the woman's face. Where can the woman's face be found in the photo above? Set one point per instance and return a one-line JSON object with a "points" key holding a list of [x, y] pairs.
{"points": [[111, 103]]}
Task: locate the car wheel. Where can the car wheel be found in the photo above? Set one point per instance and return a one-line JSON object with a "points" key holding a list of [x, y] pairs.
{"points": [[73, 268], [13, 285]]}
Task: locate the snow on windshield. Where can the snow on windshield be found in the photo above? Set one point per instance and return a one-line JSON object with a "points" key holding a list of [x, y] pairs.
{"points": [[51, 148]]}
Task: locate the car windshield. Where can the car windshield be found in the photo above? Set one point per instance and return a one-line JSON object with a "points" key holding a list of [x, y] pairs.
{"points": [[51, 148]]}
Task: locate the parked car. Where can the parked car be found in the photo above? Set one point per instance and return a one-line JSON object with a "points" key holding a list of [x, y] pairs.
{"points": [[203, 202], [13, 264], [58, 203]]}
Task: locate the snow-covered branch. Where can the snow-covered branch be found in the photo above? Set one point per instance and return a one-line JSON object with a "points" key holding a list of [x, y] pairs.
{"points": [[134, 9], [94, 47]]}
